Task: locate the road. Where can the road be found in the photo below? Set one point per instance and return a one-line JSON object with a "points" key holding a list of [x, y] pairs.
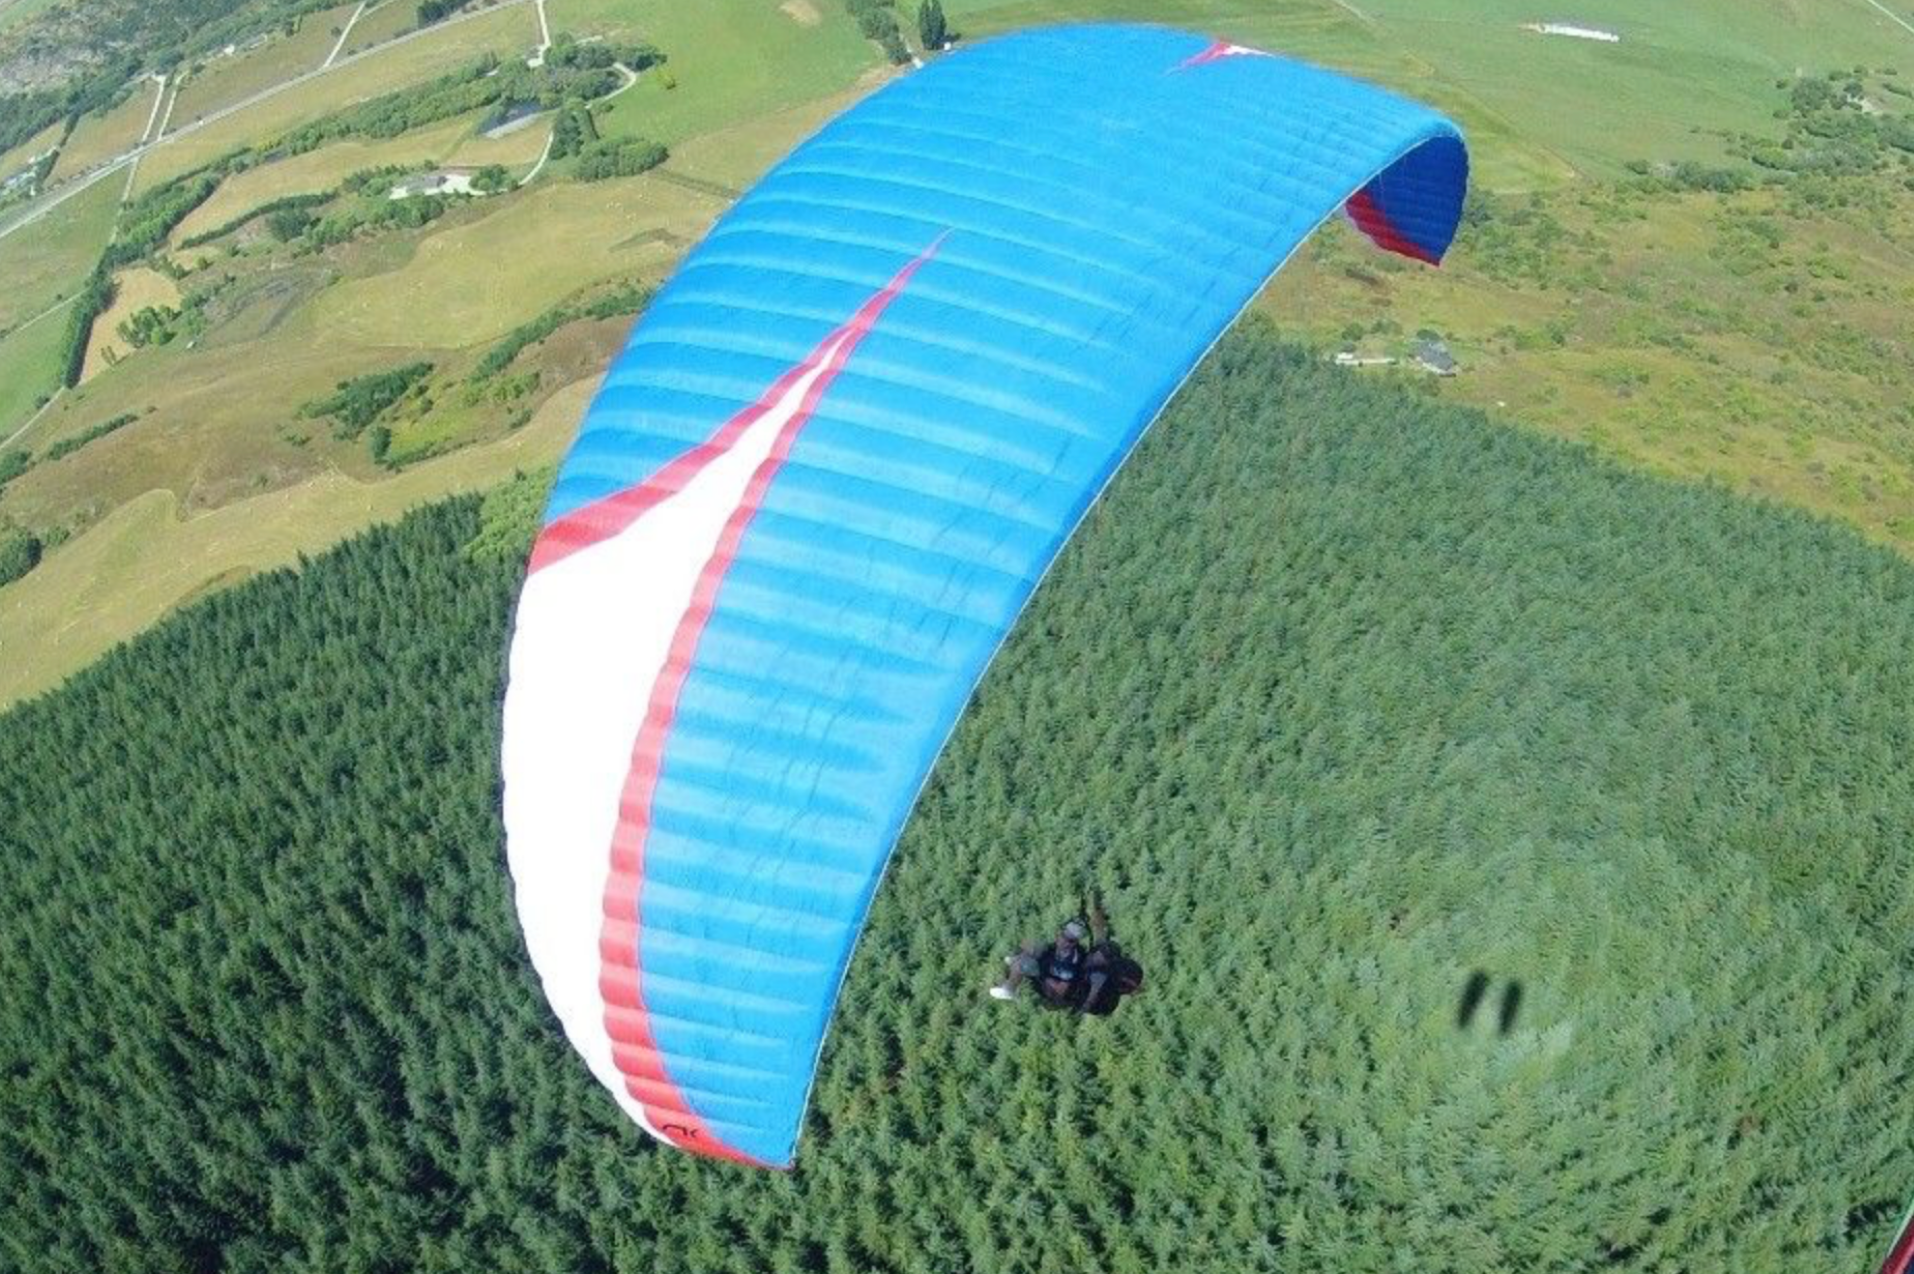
{"points": [[149, 133], [1893, 17], [543, 155], [345, 31], [55, 198], [34, 418]]}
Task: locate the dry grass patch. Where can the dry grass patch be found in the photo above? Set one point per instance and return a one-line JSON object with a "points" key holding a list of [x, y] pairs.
{"points": [[380, 23], [134, 290], [221, 81], [473, 283]]}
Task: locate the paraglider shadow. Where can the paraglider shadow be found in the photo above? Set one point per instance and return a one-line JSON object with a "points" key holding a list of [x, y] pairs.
{"points": [[1475, 990]]}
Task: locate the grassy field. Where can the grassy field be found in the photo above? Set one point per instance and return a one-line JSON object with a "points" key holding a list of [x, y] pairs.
{"points": [[17, 158], [1680, 73], [98, 138], [732, 60], [29, 368], [475, 282], [736, 156], [145, 559], [221, 81], [381, 23], [509, 31], [754, 79], [219, 431], [323, 169], [50, 258], [1653, 332]]}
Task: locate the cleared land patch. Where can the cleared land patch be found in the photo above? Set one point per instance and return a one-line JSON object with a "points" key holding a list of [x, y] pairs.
{"points": [[145, 559]]}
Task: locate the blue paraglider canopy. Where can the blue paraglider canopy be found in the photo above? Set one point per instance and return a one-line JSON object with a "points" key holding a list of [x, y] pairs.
{"points": [[824, 477]]}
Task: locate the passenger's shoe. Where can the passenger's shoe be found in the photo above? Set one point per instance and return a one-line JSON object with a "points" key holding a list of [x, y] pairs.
{"points": [[1002, 993]]}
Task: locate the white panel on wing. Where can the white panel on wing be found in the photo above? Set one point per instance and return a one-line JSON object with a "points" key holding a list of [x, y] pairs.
{"points": [[593, 631]]}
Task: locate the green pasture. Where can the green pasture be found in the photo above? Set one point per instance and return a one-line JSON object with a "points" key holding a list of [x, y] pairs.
{"points": [[51, 258], [732, 60], [29, 369], [1536, 105]]}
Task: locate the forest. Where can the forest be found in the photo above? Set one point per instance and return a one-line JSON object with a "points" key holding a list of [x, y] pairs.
{"points": [[1348, 703]]}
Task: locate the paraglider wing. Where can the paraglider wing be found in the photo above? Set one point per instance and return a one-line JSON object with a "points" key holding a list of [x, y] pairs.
{"points": [[823, 478], [1900, 1257]]}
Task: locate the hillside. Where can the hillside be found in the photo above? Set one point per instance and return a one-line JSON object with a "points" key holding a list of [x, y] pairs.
{"points": [[1692, 249], [1342, 696]]}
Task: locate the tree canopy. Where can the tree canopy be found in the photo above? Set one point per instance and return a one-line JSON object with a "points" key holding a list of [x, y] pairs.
{"points": [[1341, 697]]}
